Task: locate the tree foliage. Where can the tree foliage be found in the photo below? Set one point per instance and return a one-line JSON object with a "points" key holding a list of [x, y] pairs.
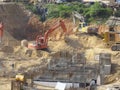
{"points": [[91, 12], [117, 13], [96, 11]]}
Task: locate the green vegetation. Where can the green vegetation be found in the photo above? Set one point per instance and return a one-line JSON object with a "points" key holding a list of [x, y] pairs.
{"points": [[63, 10], [90, 12], [117, 13], [96, 11], [31, 8]]}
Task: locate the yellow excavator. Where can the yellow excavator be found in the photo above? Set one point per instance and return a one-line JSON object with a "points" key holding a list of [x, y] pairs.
{"points": [[112, 36], [112, 39], [83, 26]]}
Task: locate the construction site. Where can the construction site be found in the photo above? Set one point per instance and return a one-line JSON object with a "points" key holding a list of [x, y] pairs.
{"points": [[52, 55]]}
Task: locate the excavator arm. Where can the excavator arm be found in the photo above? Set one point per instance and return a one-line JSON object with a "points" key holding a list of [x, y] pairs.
{"points": [[60, 23], [75, 15], [41, 41]]}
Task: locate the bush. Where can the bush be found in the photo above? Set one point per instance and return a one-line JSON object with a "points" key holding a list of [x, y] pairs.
{"points": [[96, 11], [53, 14], [117, 13], [63, 11], [64, 14], [31, 7]]}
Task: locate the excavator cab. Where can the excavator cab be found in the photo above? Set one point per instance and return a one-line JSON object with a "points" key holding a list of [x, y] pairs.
{"points": [[82, 27], [83, 24], [40, 42]]}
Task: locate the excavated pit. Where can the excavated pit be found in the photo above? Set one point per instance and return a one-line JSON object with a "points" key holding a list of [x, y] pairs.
{"points": [[17, 22], [14, 20]]}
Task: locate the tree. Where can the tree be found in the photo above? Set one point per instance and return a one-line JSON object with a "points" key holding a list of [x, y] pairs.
{"points": [[96, 11]]}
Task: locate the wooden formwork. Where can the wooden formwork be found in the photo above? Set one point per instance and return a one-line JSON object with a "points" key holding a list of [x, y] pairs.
{"points": [[16, 85]]}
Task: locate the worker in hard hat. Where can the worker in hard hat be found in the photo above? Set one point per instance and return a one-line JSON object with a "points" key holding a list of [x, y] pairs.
{"points": [[1, 31]]}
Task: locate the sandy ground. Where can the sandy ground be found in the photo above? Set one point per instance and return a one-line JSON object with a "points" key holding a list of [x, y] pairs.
{"points": [[21, 60], [5, 84], [109, 86]]}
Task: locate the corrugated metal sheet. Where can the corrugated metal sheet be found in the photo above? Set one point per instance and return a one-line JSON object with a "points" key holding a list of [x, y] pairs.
{"points": [[113, 21], [91, 0], [99, 0]]}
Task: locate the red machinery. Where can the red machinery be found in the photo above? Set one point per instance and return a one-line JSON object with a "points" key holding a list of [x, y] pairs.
{"points": [[1, 31], [41, 41]]}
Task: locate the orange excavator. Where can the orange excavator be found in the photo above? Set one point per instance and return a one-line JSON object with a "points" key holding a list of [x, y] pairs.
{"points": [[42, 41], [1, 31]]}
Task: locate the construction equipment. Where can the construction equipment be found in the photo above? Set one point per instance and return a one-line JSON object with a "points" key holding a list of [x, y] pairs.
{"points": [[20, 82], [112, 40], [83, 27], [20, 77], [112, 36], [41, 41], [1, 31]]}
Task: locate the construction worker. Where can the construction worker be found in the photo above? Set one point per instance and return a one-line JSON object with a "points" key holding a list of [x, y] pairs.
{"points": [[1, 31], [93, 84]]}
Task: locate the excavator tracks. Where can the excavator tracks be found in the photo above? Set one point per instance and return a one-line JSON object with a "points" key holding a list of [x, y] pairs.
{"points": [[115, 47]]}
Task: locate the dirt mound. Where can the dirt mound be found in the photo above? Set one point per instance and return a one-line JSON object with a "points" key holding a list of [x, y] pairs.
{"points": [[19, 50], [14, 19], [7, 49], [18, 23], [91, 41]]}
